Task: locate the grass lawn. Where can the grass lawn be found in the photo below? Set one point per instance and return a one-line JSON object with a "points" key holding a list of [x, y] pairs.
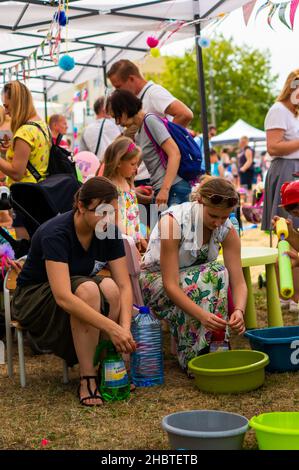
{"points": [[47, 409]]}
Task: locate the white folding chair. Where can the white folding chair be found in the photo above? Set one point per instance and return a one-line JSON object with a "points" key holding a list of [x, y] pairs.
{"points": [[9, 286]]}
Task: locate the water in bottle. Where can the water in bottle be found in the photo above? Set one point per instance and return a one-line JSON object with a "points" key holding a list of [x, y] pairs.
{"points": [[234, 221], [147, 360], [114, 380]]}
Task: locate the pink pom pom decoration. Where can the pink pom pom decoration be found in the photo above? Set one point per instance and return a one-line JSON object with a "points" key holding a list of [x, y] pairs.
{"points": [[151, 41]]}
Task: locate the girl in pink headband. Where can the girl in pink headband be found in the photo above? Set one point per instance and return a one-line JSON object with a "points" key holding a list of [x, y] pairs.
{"points": [[120, 166]]}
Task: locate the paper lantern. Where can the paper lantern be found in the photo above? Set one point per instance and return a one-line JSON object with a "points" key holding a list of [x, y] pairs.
{"points": [[66, 62]]}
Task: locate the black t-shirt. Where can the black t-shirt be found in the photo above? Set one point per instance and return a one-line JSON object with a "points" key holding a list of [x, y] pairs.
{"points": [[56, 240]]}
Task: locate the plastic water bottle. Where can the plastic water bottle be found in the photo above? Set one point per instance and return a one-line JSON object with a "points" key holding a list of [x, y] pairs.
{"points": [[114, 380], [234, 221], [147, 360]]}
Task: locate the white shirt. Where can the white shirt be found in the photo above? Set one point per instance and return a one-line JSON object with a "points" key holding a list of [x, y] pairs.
{"points": [[91, 133], [156, 99], [280, 117]]}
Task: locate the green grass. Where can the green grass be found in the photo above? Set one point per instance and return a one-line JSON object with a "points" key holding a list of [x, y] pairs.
{"points": [[47, 409]]}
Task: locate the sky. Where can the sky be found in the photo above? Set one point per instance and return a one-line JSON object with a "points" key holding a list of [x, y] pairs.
{"points": [[282, 43]]}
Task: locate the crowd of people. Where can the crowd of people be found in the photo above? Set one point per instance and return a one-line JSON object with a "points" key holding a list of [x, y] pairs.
{"points": [[62, 287]]}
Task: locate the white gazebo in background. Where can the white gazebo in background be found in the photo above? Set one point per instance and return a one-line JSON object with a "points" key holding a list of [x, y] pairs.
{"points": [[239, 129]]}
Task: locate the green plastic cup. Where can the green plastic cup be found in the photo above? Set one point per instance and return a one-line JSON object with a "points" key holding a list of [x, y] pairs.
{"points": [[277, 431]]}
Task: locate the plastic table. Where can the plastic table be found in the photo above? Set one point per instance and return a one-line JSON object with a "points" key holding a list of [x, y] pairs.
{"points": [[257, 256]]}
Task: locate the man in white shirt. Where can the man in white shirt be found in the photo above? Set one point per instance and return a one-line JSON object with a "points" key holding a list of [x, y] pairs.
{"points": [[100, 133], [125, 74]]}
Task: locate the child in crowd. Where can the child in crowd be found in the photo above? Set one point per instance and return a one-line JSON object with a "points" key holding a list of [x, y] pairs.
{"points": [[121, 162]]}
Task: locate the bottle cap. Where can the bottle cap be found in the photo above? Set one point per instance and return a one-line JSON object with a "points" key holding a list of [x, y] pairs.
{"points": [[144, 309]]}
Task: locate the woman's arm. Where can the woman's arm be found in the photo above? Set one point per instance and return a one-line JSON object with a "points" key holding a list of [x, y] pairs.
{"points": [[174, 157], [120, 275], [16, 169], [232, 261], [221, 170], [169, 262], [59, 279], [248, 163], [277, 146]]}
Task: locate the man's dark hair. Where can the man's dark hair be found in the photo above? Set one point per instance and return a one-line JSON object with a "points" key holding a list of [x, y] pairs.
{"points": [[123, 101], [98, 105]]}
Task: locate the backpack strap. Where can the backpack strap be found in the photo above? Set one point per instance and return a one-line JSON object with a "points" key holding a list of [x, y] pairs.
{"points": [[142, 96], [29, 165], [100, 136], [158, 148]]}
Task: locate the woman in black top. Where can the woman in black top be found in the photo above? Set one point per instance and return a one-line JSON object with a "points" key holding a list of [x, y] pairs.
{"points": [[58, 295]]}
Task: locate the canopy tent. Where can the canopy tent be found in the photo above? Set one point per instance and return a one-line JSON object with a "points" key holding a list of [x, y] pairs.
{"points": [[239, 129], [99, 32]]}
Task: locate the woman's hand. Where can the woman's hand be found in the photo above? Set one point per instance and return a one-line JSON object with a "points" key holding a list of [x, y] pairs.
{"points": [[162, 197], [211, 322], [122, 339], [294, 258], [236, 322], [16, 265]]}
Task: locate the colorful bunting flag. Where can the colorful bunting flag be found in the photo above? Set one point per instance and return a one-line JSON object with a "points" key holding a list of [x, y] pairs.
{"points": [[247, 10], [293, 9], [282, 13], [273, 9]]}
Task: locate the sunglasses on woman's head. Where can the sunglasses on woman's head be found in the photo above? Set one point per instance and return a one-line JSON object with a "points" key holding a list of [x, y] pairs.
{"points": [[218, 199]]}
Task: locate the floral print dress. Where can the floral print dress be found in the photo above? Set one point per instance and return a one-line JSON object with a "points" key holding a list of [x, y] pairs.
{"points": [[129, 214], [206, 283]]}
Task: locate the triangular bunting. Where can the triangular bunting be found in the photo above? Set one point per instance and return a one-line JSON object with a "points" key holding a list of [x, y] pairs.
{"points": [[293, 9], [247, 10], [282, 14]]}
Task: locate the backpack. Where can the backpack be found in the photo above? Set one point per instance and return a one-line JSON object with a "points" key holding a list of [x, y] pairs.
{"points": [[60, 159], [191, 157]]}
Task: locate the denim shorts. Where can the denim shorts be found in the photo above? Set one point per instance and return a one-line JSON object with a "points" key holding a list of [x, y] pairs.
{"points": [[179, 193]]}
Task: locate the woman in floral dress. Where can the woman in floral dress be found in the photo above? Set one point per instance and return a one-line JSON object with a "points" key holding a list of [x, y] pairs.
{"points": [[181, 279]]}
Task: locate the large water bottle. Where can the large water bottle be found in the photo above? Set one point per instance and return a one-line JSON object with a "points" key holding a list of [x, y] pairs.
{"points": [[147, 360], [234, 221]]}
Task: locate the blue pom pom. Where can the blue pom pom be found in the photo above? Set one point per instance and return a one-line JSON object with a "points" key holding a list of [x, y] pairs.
{"points": [[66, 62], [60, 17], [203, 42]]}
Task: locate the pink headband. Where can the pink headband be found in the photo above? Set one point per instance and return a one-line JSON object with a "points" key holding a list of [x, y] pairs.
{"points": [[131, 147]]}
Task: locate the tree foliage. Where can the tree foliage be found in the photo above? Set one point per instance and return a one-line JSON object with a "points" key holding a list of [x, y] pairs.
{"points": [[241, 78]]}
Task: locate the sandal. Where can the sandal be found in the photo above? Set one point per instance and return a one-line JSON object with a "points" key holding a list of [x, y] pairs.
{"points": [[92, 394]]}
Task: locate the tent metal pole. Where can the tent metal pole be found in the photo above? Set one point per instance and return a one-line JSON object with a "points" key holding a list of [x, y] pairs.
{"points": [[45, 98], [104, 65], [201, 90]]}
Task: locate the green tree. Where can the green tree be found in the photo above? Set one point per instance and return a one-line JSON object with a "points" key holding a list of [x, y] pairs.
{"points": [[242, 82]]}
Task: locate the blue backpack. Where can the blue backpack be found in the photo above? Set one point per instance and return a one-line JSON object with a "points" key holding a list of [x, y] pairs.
{"points": [[191, 157]]}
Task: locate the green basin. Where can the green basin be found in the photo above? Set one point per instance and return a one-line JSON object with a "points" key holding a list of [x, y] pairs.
{"points": [[277, 431], [229, 371]]}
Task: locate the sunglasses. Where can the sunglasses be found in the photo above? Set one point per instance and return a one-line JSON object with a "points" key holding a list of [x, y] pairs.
{"points": [[218, 199]]}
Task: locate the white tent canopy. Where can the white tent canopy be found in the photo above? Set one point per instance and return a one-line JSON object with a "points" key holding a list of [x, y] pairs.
{"points": [[239, 129], [99, 32]]}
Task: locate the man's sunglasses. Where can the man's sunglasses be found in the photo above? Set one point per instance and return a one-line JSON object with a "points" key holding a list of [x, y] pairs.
{"points": [[218, 199], [291, 207]]}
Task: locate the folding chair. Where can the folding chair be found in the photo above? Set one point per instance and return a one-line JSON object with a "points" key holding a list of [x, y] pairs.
{"points": [[9, 286]]}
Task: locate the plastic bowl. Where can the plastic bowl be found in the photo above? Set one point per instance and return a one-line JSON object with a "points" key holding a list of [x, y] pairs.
{"points": [[277, 431], [229, 371], [205, 430], [280, 343]]}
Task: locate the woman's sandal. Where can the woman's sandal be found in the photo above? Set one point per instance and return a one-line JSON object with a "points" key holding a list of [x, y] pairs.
{"points": [[92, 394]]}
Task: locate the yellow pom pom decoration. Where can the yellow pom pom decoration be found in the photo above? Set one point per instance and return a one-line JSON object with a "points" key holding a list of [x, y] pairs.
{"points": [[155, 52]]}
